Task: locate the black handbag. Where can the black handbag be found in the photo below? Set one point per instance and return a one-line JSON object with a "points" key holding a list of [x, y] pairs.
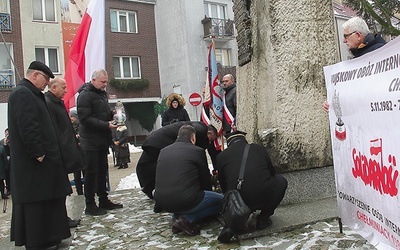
{"points": [[234, 211]]}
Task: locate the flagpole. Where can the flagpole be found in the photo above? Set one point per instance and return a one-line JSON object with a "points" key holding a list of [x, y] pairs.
{"points": [[219, 83]]}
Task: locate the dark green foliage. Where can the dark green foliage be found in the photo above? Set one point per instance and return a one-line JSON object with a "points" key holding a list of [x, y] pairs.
{"points": [[144, 112], [160, 108], [377, 11], [129, 84]]}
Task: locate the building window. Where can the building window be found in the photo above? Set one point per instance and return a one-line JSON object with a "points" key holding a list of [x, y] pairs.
{"points": [[4, 6], [127, 67], [214, 10], [222, 56], [48, 56], [5, 16], [44, 10], [123, 21], [7, 76]]}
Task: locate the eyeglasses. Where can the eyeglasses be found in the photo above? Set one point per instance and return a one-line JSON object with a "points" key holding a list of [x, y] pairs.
{"points": [[46, 77], [347, 35], [225, 80]]}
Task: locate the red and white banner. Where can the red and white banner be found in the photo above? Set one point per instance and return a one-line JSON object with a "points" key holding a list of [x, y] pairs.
{"points": [[364, 115], [87, 52]]}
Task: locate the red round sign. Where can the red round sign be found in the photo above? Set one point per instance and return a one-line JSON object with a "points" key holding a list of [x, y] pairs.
{"points": [[195, 99]]}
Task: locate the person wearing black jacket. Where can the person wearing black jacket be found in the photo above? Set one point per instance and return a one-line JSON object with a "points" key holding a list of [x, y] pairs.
{"points": [[5, 166], [262, 189], [72, 155], [229, 85], [95, 139], [359, 40], [159, 139], [176, 111], [39, 182], [183, 183], [358, 37]]}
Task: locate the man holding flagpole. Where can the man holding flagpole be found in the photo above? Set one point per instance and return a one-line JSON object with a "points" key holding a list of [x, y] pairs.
{"points": [[213, 105], [229, 86]]}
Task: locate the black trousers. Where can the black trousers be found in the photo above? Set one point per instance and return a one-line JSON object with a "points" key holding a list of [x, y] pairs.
{"points": [[146, 173], [78, 181], [275, 197], [96, 175]]}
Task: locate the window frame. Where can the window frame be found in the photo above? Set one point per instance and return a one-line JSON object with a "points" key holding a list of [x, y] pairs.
{"points": [[46, 57], [118, 15], [224, 55], [44, 11], [7, 3], [221, 10], [121, 67]]}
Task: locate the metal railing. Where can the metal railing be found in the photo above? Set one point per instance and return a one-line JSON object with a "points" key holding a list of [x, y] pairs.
{"points": [[5, 22], [215, 27], [6, 79]]}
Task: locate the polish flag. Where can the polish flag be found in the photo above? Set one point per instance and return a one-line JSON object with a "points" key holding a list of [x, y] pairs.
{"points": [[87, 52]]}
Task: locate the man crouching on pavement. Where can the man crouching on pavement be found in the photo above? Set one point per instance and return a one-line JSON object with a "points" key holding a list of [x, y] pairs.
{"points": [[183, 183], [264, 190]]}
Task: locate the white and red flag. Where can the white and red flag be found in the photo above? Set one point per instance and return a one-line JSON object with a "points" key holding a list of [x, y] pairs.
{"points": [[87, 52], [213, 105]]}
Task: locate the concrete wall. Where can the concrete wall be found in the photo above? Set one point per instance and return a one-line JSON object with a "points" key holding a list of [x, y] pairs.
{"points": [[280, 92]]}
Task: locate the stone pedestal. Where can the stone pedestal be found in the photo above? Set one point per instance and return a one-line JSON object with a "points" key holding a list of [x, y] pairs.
{"points": [[281, 88]]}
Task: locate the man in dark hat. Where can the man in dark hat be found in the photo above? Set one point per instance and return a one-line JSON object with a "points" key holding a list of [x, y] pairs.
{"points": [[262, 188], [39, 182]]}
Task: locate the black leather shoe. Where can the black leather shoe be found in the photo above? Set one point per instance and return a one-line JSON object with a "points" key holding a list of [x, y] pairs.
{"points": [[263, 222], [94, 210], [73, 223], [184, 225], [109, 205], [226, 235], [175, 230]]}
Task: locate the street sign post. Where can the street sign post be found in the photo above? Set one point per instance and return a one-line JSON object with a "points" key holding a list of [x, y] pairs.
{"points": [[195, 99]]}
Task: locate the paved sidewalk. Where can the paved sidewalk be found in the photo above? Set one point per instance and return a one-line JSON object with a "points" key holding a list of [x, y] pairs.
{"points": [[310, 225], [136, 226]]}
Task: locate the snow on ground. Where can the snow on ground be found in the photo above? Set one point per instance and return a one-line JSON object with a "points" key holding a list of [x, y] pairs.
{"points": [[130, 181]]}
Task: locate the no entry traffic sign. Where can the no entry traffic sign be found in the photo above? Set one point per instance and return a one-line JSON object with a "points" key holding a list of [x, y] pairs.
{"points": [[195, 99]]}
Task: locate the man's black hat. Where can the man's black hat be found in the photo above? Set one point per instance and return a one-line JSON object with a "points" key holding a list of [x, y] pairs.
{"points": [[36, 65], [235, 135]]}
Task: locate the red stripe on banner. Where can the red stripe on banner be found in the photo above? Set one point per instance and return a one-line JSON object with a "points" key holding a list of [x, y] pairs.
{"points": [[87, 51], [75, 72]]}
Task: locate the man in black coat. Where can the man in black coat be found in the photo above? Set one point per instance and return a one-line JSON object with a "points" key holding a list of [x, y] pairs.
{"points": [[38, 178], [183, 183], [359, 41], [262, 189], [95, 118], [160, 138], [358, 37], [229, 85], [71, 153]]}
